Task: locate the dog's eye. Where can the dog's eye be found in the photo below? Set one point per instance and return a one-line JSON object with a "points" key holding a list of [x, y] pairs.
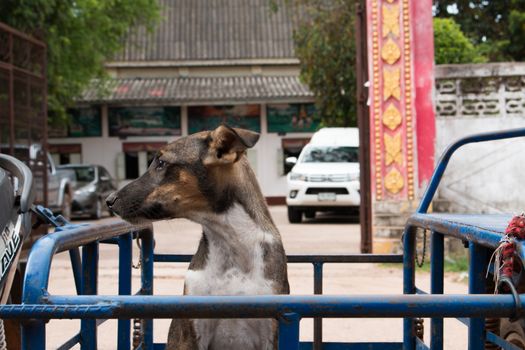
{"points": [[160, 164]]}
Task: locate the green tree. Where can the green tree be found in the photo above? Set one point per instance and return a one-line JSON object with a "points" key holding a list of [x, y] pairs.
{"points": [[495, 26], [325, 45], [81, 35], [451, 45]]}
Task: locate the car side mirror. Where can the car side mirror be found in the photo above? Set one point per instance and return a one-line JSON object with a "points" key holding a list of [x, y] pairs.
{"points": [[291, 160]]}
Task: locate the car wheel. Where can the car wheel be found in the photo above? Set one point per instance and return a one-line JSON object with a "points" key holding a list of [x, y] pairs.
{"points": [[294, 215], [309, 214], [65, 210], [513, 332], [97, 214]]}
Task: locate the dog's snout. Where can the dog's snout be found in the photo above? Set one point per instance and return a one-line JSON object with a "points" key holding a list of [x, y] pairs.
{"points": [[112, 198]]}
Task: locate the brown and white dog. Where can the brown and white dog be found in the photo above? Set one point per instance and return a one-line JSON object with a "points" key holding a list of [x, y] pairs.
{"points": [[206, 178]]}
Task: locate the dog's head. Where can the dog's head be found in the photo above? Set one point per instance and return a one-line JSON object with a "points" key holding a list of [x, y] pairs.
{"points": [[192, 175]]}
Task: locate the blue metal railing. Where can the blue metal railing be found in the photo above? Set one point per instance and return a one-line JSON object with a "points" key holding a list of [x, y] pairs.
{"points": [[288, 310], [481, 240]]}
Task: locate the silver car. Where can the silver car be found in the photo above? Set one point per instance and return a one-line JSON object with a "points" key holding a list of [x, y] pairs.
{"points": [[94, 184]]}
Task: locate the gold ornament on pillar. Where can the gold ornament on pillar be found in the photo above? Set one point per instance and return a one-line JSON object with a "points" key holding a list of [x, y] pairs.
{"points": [[390, 52], [394, 181], [391, 117], [391, 20], [391, 83], [393, 149]]}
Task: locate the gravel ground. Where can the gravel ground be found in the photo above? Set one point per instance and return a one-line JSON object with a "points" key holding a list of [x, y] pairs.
{"points": [[324, 235]]}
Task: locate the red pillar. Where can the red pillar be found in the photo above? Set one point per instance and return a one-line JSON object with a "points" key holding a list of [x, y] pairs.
{"points": [[401, 73], [423, 39], [402, 126]]}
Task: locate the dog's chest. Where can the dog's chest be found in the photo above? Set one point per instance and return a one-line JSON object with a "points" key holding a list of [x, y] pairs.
{"points": [[234, 265]]}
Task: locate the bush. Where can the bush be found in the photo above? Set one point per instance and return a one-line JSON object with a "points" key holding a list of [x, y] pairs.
{"points": [[452, 46]]}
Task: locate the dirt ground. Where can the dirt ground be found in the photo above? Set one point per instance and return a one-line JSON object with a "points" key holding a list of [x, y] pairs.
{"points": [[325, 235]]}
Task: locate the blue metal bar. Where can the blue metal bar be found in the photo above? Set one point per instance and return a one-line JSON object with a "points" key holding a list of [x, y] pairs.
{"points": [[353, 346], [88, 328], [76, 266], [432, 222], [349, 258], [125, 243], [478, 262], [266, 306], [420, 344], [409, 287], [437, 254], [147, 282], [504, 345], [33, 335], [318, 289], [289, 331], [70, 343], [445, 158]]}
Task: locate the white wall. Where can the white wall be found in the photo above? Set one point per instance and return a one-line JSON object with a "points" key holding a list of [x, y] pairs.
{"points": [[484, 177]]}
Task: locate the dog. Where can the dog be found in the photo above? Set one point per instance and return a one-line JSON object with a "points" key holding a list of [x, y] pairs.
{"points": [[206, 178]]}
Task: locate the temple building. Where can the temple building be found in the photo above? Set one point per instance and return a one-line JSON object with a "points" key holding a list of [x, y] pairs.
{"points": [[204, 64]]}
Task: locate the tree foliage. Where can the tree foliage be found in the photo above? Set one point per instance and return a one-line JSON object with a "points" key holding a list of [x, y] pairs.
{"points": [[325, 45], [495, 26], [451, 45], [81, 35]]}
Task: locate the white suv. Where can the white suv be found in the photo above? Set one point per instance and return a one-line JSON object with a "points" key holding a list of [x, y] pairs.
{"points": [[326, 175]]}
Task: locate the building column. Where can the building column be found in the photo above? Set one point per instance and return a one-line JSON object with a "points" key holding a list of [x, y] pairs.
{"points": [[400, 51]]}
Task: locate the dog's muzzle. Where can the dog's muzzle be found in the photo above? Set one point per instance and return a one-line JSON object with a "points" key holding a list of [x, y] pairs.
{"points": [[110, 201]]}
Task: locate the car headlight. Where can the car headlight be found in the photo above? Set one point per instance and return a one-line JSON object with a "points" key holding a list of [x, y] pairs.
{"points": [[297, 177]]}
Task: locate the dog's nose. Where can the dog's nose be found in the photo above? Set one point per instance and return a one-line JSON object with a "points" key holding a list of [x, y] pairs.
{"points": [[112, 198]]}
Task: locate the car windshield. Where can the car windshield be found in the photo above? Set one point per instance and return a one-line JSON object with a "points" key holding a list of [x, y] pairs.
{"points": [[84, 174], [328, 154]]}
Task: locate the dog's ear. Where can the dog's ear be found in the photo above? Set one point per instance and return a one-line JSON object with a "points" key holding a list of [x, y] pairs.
{"points": [[226, 145]]}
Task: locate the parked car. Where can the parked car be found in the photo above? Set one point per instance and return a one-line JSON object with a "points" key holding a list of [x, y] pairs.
{"points": [[325, 177], [60, 182], [94, 184]]}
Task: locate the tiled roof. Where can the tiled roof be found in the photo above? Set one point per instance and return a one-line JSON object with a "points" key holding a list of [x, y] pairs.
{"points": [[214, 30], [199, 89]]}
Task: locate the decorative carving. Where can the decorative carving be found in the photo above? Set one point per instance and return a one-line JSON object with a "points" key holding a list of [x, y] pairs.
{"points": [[391, 20], [407, 72], [394, 181], [390, 52], [393, 149], [391, 83], [376, 103], [392, 117]]}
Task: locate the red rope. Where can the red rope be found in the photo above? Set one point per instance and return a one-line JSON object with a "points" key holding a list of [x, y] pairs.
{"points": [[515, 230]]}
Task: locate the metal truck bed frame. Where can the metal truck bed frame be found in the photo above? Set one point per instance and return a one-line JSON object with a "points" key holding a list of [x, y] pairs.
{"points": [[482, 233]]}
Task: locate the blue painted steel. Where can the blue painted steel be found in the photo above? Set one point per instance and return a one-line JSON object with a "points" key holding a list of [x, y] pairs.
{"points": [[504, 345], [289, 331], [486, 230], [478, 262], [272, 306], [33, 335], [88, 327], [437, 253], [420, 345], [445, 157], [124, 287], [147, 283], [409, 287], [70, 343], [354, 346], [318, 289], [76, 266], [344, 258]]}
